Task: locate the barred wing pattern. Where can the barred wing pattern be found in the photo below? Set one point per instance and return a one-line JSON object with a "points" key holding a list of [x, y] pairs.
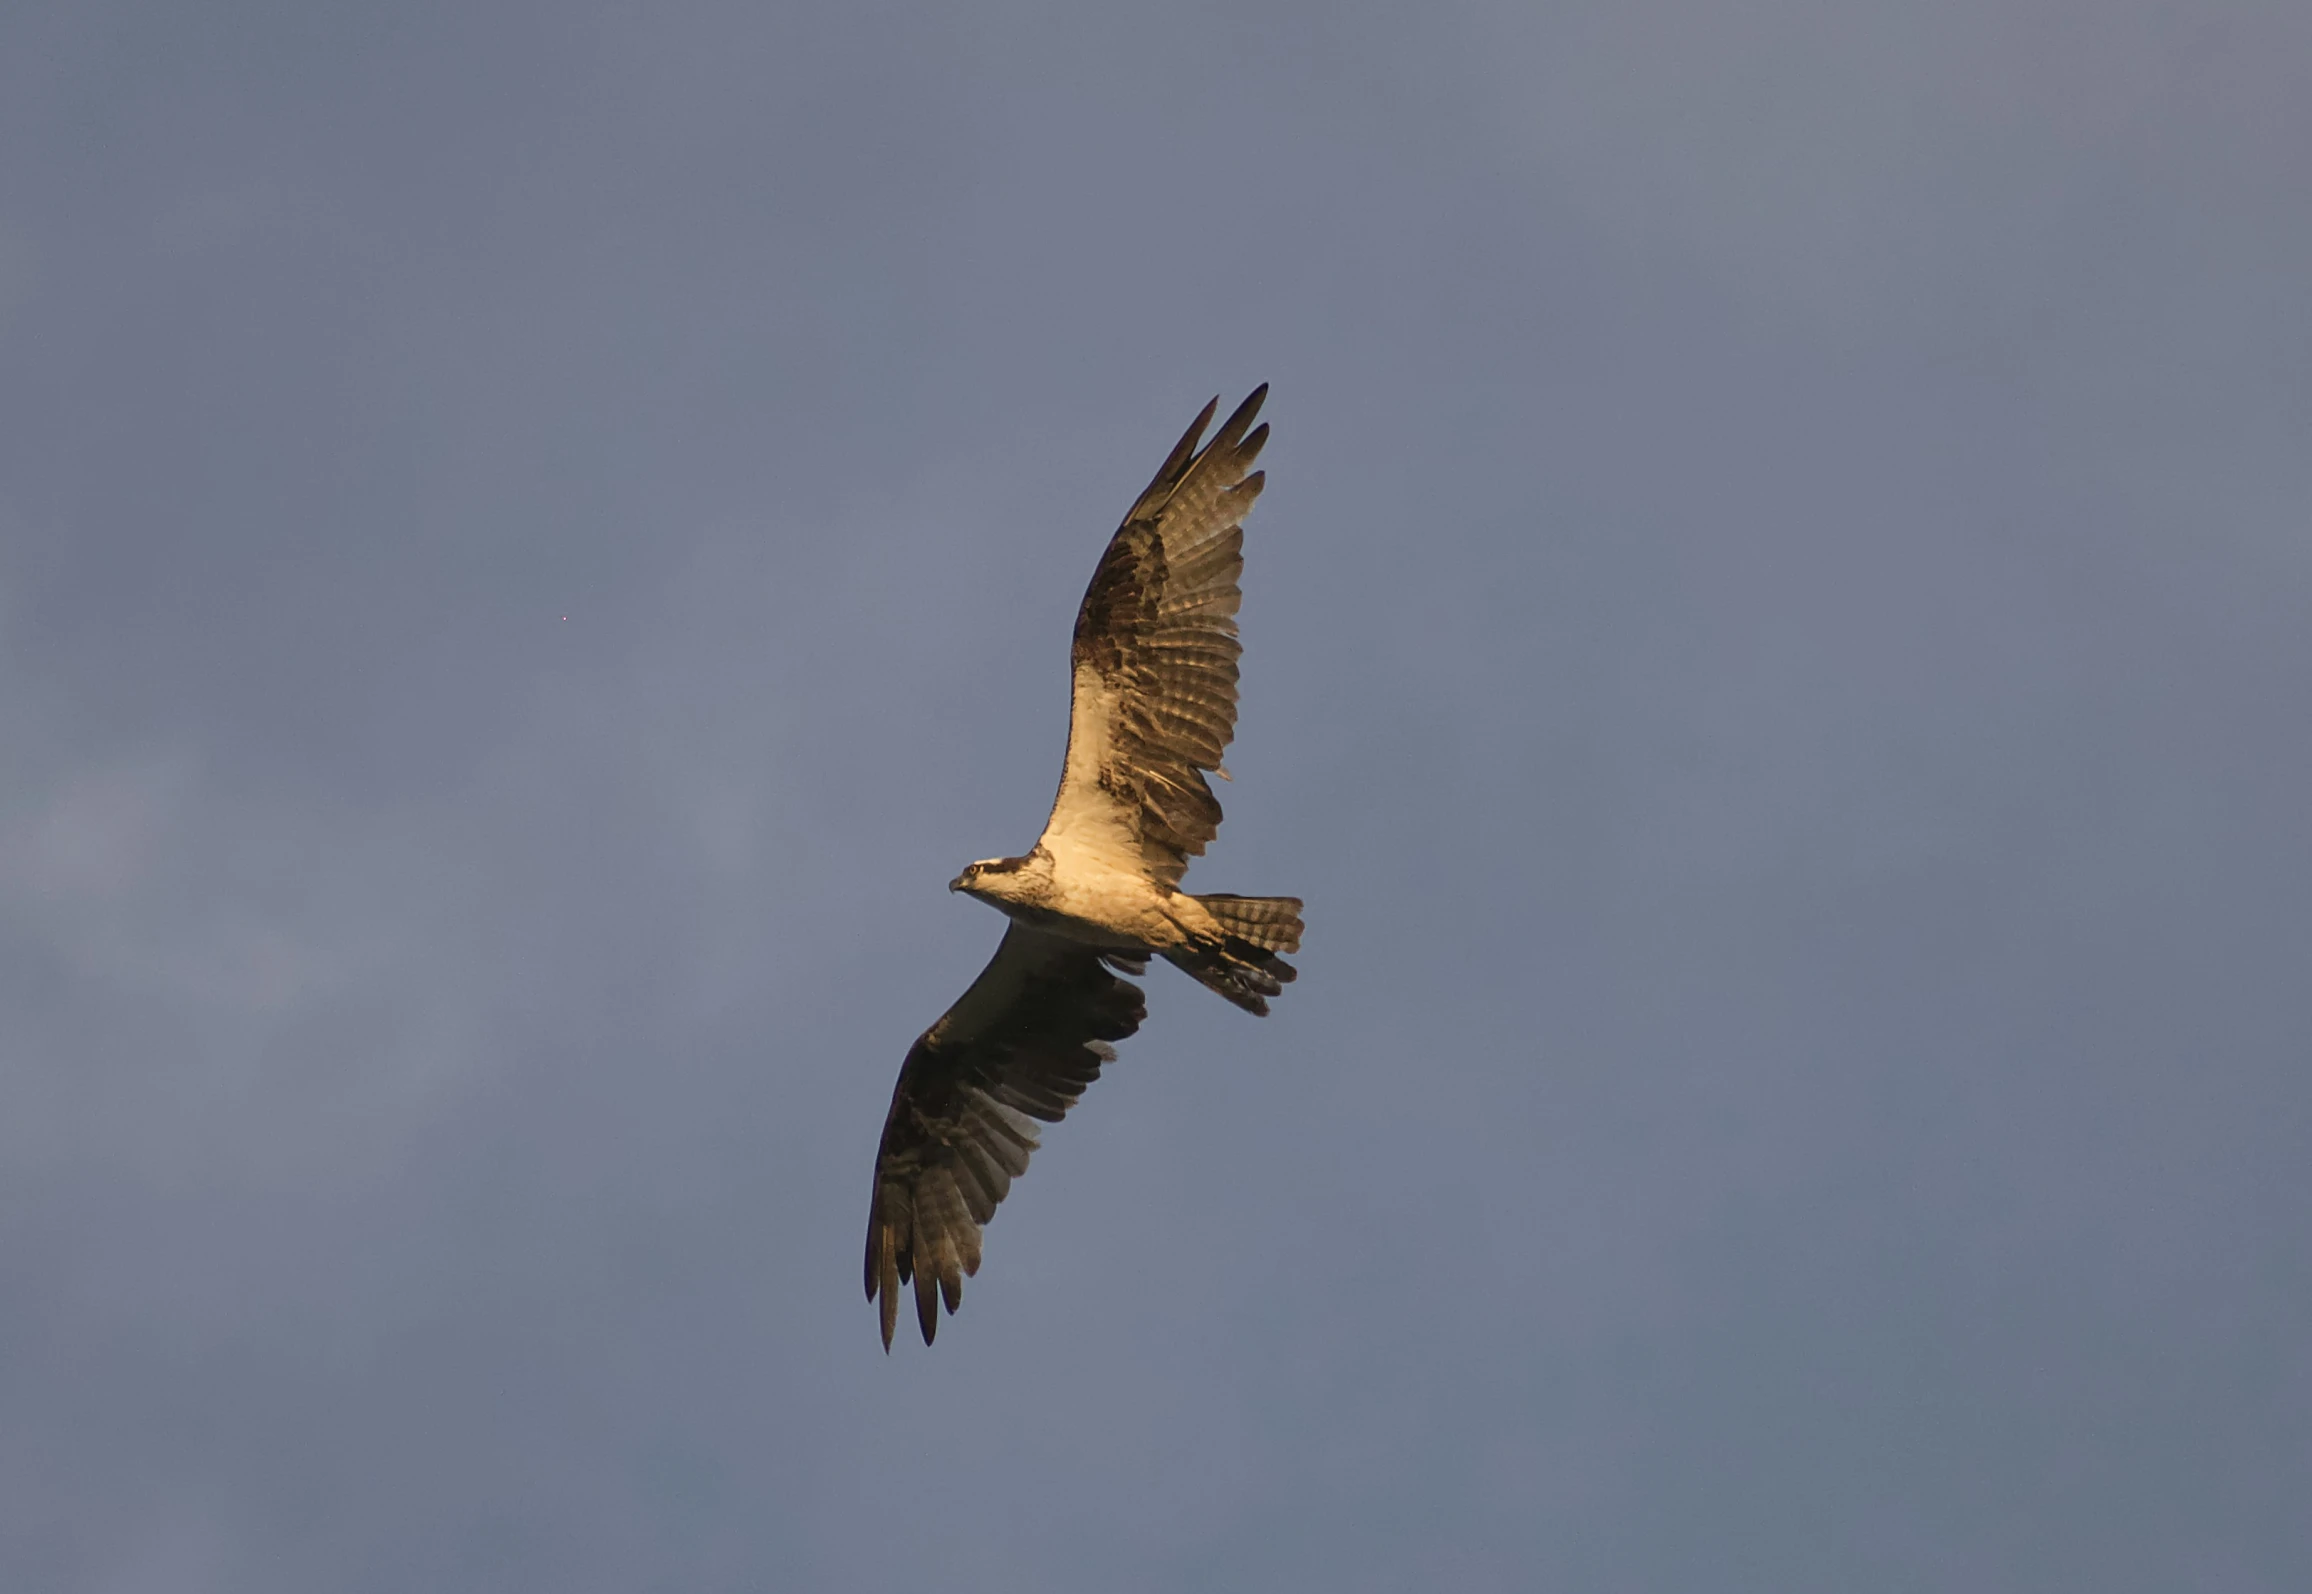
{"points": [[1155, 657], [1019, 1046]]}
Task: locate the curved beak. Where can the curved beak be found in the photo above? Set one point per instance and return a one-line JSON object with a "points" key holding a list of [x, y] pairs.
{"points": [[956, 884]]}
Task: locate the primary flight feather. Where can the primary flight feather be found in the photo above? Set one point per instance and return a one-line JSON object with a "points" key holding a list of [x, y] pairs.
{"points": [[1153, 710]]}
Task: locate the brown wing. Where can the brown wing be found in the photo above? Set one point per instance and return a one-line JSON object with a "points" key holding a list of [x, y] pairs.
{"points": [[1019, 1046], [1155, 659]]}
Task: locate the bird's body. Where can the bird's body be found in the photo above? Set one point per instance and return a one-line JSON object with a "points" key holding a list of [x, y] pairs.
{"points": [[1153, 709], [1089, 900]]}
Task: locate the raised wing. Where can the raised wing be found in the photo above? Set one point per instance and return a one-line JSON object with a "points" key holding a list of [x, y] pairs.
{"points": [[1155, 660], [1017, 1047]]}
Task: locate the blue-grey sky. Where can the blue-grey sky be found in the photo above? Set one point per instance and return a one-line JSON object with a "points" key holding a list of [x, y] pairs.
{"points": [[534, 540]]}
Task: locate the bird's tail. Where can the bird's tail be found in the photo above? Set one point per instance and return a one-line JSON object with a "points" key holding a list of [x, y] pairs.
{"points": [[1270, 922], [1241, 963]]}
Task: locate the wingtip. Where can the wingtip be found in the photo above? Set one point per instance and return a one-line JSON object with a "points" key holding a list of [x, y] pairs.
{"points": [[1231, 436], [883, 1275], [926, 1301]]}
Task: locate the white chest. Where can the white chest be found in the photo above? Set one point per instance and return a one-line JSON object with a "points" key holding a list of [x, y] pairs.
{"points": [[1103, 906]]}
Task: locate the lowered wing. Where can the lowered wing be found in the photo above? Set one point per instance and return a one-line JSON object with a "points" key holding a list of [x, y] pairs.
{"points": [[1155, 660], [1016, 1048]]}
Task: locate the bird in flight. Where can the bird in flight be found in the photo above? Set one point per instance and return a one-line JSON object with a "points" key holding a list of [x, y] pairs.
{"points": [[1153, 709]]}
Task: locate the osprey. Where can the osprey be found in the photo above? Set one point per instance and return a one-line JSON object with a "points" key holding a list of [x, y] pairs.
{"points": [[1154, 707]]}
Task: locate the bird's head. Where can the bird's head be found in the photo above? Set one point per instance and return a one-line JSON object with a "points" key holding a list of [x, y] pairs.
{"points": [[991, 879]]}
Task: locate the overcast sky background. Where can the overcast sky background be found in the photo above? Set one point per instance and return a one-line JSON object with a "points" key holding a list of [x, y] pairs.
{"points": [[535, 539]]}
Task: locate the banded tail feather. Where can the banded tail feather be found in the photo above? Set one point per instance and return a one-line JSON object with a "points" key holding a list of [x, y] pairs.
{"points": [[1270, 922], [1242, 962]]}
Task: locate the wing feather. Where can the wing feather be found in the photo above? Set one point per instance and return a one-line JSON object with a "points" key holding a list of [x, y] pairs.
{"points": [[1020, 1045], [1155, 658]]}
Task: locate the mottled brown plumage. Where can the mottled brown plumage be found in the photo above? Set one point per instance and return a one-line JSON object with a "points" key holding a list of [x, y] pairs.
{"points": [[1156, 638], [1019, 1047], [1154, 659]]}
